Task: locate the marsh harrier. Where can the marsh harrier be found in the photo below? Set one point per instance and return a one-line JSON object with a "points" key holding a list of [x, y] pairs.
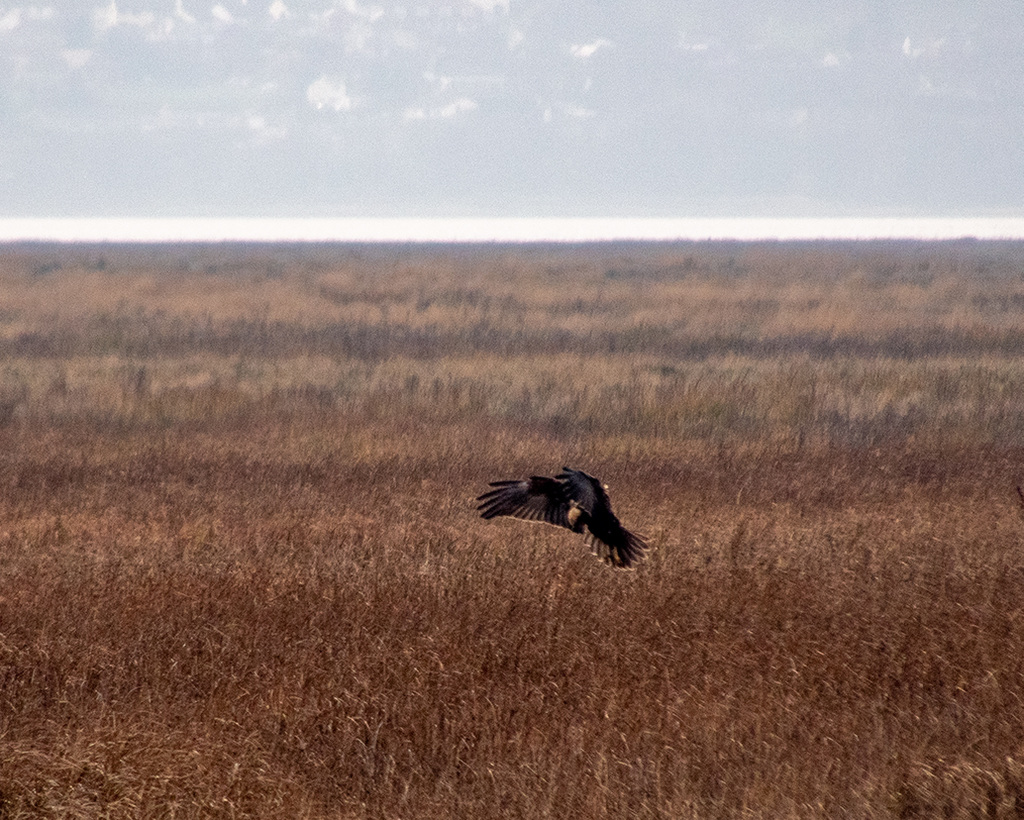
{"points": [[573, 500]]}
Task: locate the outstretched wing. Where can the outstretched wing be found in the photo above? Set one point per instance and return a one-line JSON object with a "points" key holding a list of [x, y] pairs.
{"points": [[534, 499]]}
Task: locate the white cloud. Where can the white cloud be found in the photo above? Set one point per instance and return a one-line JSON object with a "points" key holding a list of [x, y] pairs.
{"points": [[686, 45], [962, 89], [107, 17], [444, 112], [585, 50], [459, 106], [914, 50], [16, 16], [561, 111], [910, 51], [10, 21], [490, 5], [358, 32], [169, 118], [371, 13], [181, 14], [76, 58], [579, 112], [439, 80], [358, 36], [263, 131], [222, 14], [328, 93], [830, 60], [278, 10], [447, 83], [163, 31], [405, 40]]}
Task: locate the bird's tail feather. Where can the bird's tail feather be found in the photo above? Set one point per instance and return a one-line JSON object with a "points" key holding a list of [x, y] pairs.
{"points": [[624, 554]]}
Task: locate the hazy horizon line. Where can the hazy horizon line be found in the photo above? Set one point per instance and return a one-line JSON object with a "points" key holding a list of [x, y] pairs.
{"points": [[501, 230]]}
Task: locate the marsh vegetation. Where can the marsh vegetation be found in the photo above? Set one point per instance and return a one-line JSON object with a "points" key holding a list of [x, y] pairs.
{"points": [[241, 572]]}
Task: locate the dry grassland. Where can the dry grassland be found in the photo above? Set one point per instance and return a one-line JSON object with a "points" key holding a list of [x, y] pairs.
{"points": [[241, 574]]}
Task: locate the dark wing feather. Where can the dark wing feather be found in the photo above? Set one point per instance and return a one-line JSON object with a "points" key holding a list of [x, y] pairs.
{"points": [[618, 547], [572, 498], [585, 490], [533, 499], [609, 540]]}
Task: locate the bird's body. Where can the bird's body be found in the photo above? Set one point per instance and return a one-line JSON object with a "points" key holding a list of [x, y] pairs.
{"points": [[574, 500]]}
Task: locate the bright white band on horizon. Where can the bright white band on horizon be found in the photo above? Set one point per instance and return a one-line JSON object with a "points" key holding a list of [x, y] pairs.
{"points": [[501, 230]]}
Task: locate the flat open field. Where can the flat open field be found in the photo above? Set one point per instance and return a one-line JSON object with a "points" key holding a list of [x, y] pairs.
{"points": [[241, 572]]}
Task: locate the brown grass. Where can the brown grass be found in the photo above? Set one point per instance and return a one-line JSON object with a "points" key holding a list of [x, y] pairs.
{"points": [[241, 573]]}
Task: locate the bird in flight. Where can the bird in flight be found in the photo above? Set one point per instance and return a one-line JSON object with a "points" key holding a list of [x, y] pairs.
{"points": [[573, 500]]}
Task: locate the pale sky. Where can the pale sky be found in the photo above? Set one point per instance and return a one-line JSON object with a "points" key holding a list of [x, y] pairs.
{"points": [[489, 108]]}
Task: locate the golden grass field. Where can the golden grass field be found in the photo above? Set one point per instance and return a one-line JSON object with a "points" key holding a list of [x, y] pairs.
{"points": [[242, 574]]}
